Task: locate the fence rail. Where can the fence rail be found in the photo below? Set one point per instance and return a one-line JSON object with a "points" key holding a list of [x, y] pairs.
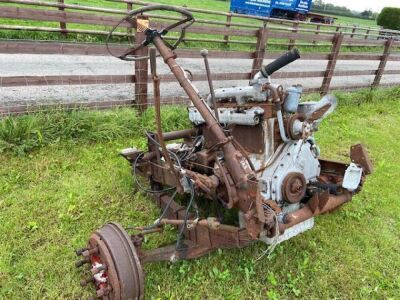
{"points": [[68, 19]]}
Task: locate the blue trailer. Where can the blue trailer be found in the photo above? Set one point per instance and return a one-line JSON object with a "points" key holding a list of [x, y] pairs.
{"points": [[288, 9]]}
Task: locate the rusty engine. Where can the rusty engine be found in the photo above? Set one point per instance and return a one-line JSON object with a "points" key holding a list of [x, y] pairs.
{"points": [[250, 154]]}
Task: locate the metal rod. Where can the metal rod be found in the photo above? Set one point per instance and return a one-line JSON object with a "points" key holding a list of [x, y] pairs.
{"points": [[234, 160], [204, 53], [157, 105]]}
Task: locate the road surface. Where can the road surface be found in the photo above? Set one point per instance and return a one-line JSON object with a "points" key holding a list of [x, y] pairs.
{"points": [[30, 65]]}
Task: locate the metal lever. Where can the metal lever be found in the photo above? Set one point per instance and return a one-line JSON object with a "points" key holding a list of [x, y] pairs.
{"points": [[204, 53], [157, 106]]}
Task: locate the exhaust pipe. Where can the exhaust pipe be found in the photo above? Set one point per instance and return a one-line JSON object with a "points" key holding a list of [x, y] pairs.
{"points": [[315, 207]]}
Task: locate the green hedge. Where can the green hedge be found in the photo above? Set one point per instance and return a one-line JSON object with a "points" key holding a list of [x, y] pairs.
{"points": [[389, 18]]}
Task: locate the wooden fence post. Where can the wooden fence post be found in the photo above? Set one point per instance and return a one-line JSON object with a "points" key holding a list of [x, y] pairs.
{"points": [[316, 33], [382, 64], [129, 7], [228, 24], [293, 42], [63, 25], [353, 31], [367, 32], [141, 70], [330, 68], [262, 36]]}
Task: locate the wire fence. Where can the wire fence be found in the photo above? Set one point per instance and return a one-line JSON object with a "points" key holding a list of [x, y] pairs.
{"points": [[70, 71]]}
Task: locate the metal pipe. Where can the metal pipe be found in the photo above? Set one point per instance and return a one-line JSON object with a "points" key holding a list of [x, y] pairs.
{"points": [[211, 223], [282, 131], [180, 134], [306, 213], [204, 53], [157, 106], [235, 162]]}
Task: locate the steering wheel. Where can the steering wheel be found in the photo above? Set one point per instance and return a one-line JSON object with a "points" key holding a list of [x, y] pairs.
{"points": [[131, 53]]}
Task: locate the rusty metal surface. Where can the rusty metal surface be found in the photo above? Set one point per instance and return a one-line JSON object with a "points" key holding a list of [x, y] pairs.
{"points": [[188, 250], [308, 211], [180, 134], [235, 164], [104, 257], [332, 167], [359, 155], [290, 122], [244, 135], [294, 187], [115, 266], [126, 261], [210, 234]]}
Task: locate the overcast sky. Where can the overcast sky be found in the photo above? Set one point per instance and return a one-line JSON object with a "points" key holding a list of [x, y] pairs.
{"points": [[360, 5]]}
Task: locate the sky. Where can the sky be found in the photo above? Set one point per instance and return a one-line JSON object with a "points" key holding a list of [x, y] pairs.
{"points": [[360, 5]]}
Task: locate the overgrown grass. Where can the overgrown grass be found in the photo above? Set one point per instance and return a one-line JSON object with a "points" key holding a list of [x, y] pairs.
{"points": [[59, 191], [23, 134]]}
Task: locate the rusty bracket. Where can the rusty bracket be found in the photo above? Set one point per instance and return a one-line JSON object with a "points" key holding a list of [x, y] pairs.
{"points": [[359, 155]]}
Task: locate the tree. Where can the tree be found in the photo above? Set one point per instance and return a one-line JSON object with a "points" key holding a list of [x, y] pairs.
{"points": [[366, 13], [389, 18]]}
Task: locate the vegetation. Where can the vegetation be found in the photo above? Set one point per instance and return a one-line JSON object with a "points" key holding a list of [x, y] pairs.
{"points": [[351, 21], [208, 4], [61, 178], [389, 18], [328, 8], [23, 134]]}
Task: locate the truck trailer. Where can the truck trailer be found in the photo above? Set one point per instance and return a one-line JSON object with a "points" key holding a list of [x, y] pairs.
{"points": [[285, 9]]}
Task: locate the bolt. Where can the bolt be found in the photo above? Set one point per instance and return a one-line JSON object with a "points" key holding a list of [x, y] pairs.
{"points": [[297, 186], [80, 263], [89, 252], [103, 292], [85, 282], [79, 252]]}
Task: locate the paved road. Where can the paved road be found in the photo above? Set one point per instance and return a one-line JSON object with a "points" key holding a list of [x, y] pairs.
{"points": [[28, 65]]}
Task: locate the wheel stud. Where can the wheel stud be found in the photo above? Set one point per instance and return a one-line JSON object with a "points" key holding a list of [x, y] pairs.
{"points": [[89, 252], [103, 292], [80, 263], [85, 282], [80, 251]]}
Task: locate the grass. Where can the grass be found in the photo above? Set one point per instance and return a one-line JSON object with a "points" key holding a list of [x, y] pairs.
{"points": [[55, 190], [343, 20], [208, 4]]}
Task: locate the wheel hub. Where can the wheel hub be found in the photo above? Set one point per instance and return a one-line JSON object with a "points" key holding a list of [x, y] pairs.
{"points": [[116, 271]]}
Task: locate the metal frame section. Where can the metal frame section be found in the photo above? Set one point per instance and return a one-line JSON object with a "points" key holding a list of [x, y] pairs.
{"points": [[201, 237]]}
